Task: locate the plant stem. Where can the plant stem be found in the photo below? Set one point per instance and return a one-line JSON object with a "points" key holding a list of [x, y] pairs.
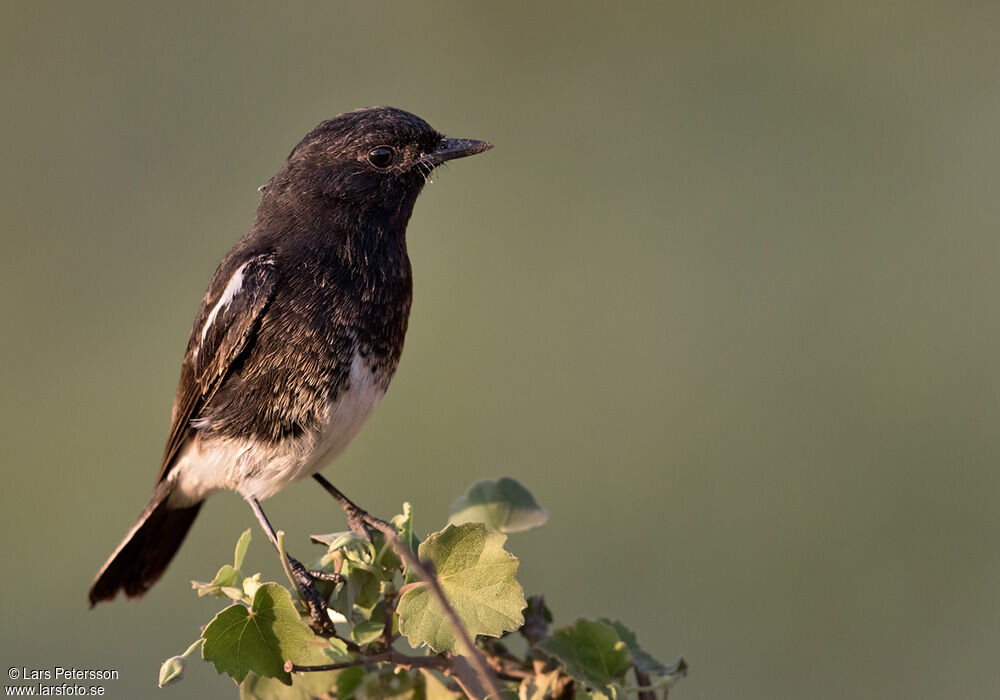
{"points": [[197, 643], [283, 556]]}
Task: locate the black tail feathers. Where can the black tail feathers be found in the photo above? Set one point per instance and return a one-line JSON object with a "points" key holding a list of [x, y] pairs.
{"points": [[147, 549]]}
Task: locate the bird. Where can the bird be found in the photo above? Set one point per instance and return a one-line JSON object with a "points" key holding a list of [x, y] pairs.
{"points": [[298, 335]]}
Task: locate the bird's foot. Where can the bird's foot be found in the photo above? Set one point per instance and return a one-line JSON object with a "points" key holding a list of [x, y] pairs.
{"points": [[299, 570], [319, 620], [318, 575], [362, 522], [358, 519]]}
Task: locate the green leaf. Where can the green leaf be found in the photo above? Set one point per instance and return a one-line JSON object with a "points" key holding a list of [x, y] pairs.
{"points": [[362, 589], [227, 577], [503, 505], [643, 661], [259, 639], [393, 683], [358, 599], [228, 581], [589, 651], [353, 545], [333, 649], [349, 680], [477, 576], [241, 549], [305, 686], [404, 529], [233, 592], [367, 631]]}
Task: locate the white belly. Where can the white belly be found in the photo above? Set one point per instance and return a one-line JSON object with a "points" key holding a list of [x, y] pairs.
{"points": [[259, 470]]}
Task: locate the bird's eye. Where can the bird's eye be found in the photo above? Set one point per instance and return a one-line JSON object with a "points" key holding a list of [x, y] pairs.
{"points": [[381, 157]]}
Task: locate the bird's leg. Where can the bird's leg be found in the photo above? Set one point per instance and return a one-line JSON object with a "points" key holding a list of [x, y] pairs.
{"points": [[313, 573], [303, 577], [357, 517]]}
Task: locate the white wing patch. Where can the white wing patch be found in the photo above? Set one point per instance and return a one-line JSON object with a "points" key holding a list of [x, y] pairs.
{"points": [[228, 294]]}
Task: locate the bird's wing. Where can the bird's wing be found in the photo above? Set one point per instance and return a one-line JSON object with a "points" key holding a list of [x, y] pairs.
{"points": [[224, 328]]}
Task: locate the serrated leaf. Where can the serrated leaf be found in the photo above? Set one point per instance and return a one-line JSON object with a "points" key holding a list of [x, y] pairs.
{"points": [[476, 574], [590, 651], [241, 549], [259, 639], [643, 661], [503, 505]]}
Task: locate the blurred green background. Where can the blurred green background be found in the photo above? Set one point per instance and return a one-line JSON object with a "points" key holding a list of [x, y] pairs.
{"points": [[725, 296]]}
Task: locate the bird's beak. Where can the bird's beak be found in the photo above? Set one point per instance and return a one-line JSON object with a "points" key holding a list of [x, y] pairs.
{"points": [[449, 149]]}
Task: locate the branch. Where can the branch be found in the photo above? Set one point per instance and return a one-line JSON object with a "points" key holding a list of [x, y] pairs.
{"points": [[438, 663], [503, 663], [357, 515], [456, 667]]}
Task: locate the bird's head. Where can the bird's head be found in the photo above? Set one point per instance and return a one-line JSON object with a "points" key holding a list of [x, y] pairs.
{"points": [[378, 158]]}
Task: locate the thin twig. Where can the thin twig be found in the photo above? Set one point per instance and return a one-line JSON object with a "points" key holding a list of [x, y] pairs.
{"points": [[504, 664], [387, 621], [391, 656]]}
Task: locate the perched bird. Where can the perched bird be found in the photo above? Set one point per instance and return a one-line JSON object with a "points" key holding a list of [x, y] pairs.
{"points": [[298, 335]]}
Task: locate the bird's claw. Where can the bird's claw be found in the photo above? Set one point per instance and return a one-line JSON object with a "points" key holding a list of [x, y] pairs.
{"points": [[325, 576], [363, 523], [319, 620]]}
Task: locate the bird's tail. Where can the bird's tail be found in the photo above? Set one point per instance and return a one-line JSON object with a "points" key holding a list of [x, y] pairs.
{"points": [[147, 549]]}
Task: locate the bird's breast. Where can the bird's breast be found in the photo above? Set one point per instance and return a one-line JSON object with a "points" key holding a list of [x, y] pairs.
{"points": [[348, 410], [343, 415]]}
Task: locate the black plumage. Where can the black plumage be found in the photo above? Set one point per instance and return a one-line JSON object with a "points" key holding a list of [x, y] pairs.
{"points": [[299, 333]]}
